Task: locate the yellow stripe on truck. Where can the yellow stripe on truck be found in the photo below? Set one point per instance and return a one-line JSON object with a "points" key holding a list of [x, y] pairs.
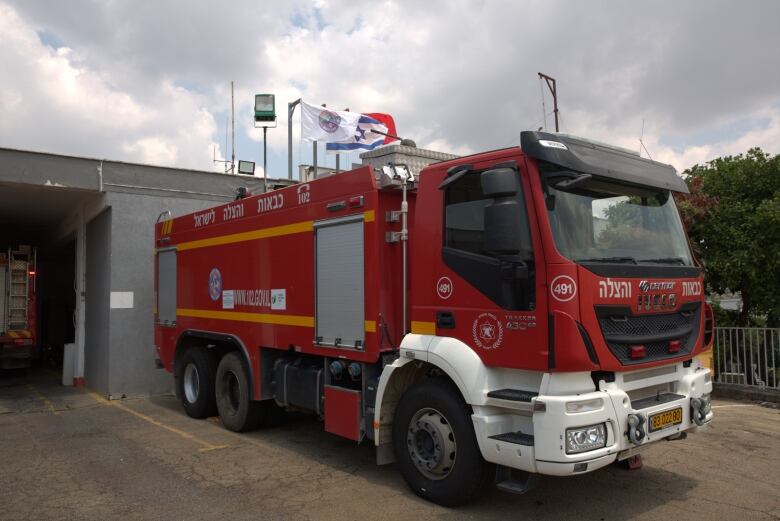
{"points": [[240, 316], [423, 328], [275, 231], [259, 318]]}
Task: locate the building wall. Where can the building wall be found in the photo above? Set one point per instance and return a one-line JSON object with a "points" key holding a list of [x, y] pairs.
{"points": [[96, 323], [137, 195], [132, 369]]}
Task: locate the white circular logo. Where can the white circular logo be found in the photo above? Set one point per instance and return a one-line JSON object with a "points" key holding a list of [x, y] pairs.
{"points": [[563, 288], [444, 288], [487, 331]]}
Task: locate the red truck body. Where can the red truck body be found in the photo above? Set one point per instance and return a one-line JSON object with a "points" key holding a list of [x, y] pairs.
{"points": [[281, 279]]}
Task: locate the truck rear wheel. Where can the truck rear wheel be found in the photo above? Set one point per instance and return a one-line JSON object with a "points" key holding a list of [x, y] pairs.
{"points": [[234, 395], [195, 371], [435, 445]]}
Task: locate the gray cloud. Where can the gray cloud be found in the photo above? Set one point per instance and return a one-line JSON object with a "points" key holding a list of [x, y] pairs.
{"points": [[456, 74]]}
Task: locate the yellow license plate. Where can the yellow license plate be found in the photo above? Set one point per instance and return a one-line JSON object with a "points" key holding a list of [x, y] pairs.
{"points": [[662, 420]]}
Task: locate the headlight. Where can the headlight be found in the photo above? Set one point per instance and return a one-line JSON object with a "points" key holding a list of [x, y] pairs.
{"points": [[584, 439]]}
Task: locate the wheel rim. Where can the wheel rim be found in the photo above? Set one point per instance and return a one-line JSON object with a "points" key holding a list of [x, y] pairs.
{"points": [[431, 444], [233, 388], [191, 383]]}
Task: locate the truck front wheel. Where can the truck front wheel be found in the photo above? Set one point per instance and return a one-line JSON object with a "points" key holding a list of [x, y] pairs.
{"points": [[195, 382], [435, 445], [234, 395]]}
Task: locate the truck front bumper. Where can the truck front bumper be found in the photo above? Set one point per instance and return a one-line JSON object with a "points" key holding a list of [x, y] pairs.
{"points": [[629, 426]]}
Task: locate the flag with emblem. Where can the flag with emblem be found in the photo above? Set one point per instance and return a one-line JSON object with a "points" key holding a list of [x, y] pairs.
{"points": [[329, 126]]}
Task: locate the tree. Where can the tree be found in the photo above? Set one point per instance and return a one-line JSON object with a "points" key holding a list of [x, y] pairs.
{"points": [[733, 219]]}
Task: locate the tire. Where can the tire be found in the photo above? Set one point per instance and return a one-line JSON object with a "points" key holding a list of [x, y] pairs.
{"points": [[237, 410], [195, 371], [448, 470]]}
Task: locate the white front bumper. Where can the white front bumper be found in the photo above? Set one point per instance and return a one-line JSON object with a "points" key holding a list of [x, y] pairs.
{"points": [[547, 453]]}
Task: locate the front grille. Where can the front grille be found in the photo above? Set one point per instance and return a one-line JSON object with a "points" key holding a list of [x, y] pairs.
{"points": [[622, 329]]}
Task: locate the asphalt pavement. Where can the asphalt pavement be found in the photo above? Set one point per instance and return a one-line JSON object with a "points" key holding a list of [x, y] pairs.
{"points": [[68, 453]]}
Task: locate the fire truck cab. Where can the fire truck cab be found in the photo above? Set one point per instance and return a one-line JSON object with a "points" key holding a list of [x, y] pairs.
{"points": [[533, 310]]}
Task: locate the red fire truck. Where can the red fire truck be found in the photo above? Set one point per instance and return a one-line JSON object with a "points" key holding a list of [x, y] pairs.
{"points": [[533, 310], [17, 307]]}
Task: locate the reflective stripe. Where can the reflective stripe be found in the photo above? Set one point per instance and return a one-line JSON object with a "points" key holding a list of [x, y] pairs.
{"points": [[275, 231], [239, 316], [423, 328], [259, 318]]}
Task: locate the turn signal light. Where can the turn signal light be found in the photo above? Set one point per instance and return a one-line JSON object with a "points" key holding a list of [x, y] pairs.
{"points": [[638, 352], [674, 346]]}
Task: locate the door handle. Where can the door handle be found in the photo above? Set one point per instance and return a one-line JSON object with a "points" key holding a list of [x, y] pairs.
{"points": [[445, 320]]}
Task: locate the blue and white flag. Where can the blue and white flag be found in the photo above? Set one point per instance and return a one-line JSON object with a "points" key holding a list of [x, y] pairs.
{"points": [[364, 139], [330, 126]]}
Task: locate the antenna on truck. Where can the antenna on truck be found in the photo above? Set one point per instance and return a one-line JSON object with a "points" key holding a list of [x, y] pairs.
{"points": [[642, 143]]}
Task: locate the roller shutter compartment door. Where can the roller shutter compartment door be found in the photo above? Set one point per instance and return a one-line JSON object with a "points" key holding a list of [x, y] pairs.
{"points": [[166, 287], [340, 314]]}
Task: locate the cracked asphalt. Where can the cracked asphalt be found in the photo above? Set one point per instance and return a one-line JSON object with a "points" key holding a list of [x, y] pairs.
{"points": [[69, 454]]}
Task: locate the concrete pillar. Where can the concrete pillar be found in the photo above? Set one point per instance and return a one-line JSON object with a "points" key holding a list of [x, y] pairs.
{"points": [[81, 264]]}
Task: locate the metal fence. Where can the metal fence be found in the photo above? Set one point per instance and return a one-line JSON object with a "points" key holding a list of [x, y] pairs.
{"points": [[747, 356]]}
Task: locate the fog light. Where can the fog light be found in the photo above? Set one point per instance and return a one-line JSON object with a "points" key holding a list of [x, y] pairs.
{"points": [[707, 403], [585, 439]]}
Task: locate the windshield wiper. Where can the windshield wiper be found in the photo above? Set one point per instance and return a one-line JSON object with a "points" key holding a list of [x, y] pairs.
{"points": [[666, 260], [609, 259]]}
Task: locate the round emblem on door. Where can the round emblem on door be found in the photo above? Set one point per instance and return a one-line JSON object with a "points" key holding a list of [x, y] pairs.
{"points": [[215, 284]]}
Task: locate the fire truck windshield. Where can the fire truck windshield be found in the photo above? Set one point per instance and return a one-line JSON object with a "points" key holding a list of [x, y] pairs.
{"points": [[596, 220]]}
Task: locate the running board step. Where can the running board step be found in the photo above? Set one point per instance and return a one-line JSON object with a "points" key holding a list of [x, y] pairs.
{"points": [[514, 395], [506, 482], [518, 438]]}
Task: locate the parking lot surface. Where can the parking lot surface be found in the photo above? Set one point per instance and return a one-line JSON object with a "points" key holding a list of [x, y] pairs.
{"points": [[69, 454]]}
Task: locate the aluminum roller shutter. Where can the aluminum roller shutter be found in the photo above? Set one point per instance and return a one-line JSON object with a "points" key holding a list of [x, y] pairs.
{"points": [[340, 313]]}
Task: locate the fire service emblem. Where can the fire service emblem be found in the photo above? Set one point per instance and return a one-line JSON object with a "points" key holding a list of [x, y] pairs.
{"points": [[215, 284], [487, 331]]}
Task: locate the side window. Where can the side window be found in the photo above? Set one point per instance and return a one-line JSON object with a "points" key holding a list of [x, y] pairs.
{"points": [[506, 279], [464, 215]]}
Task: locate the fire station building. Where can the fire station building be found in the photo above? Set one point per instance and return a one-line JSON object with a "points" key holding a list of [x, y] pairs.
{"points": [[91, 222]]}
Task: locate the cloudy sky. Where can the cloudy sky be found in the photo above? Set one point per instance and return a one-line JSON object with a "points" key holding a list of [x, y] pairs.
{"points": [[150, 81]]}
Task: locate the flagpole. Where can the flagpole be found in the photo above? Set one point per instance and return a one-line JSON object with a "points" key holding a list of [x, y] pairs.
{"points": [[314, 153], [385, 134], [290, 109]]}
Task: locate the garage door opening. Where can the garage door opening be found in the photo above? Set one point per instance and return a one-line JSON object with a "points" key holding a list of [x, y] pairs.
{"points": [[39, 226]]}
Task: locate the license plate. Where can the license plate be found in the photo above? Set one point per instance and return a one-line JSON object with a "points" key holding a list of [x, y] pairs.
{"points": [[662, 420]]}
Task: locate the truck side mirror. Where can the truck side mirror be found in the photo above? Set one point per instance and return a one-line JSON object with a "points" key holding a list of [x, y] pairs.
{"points": [[500, 182], [503, 217]]}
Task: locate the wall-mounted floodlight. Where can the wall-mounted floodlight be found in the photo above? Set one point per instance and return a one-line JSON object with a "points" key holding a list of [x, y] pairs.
{"points": [[265, 110], [246, 167]]}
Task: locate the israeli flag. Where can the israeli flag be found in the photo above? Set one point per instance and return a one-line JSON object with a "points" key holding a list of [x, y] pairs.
{"points": [[365, 137]]}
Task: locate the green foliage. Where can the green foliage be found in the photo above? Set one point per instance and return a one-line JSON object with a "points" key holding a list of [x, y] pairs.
{"points": [[628, 226], [733, 218]]}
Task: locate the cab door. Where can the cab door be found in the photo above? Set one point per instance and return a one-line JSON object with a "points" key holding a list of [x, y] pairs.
{"points": [[485, 280]]}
